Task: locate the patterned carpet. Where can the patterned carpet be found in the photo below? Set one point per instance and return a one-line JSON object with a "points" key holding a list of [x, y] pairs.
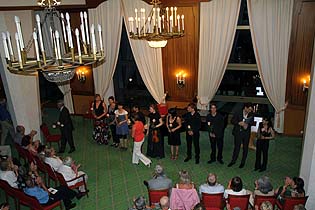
{"points": [[114, 182]]}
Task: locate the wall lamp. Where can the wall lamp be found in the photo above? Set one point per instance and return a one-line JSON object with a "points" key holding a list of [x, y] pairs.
{"points": [[180, 79], [305, 83], [81, 74]]}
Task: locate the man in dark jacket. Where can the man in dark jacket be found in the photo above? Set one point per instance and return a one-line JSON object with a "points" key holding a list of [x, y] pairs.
{"points": [[242, 122]]}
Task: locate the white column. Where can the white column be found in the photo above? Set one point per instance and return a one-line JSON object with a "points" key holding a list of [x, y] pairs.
{"points": [[307, 170]]}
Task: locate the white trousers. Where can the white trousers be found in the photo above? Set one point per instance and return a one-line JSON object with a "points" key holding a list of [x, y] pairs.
{"points": [[137, 155]]}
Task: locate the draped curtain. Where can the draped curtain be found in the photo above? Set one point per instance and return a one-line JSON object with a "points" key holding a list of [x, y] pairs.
{"points": [[148, 60], [218, 21], [270, 26], [109, 16], [65, 86]]}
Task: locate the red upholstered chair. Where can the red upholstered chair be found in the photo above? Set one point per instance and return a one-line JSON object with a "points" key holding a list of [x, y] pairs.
{"points": [[51, 174], [290, 202], [63, 182], [41, 167], [240, 201], [8, 190], [156, 195], [260, 199], [50, 137], [33, 203], [213, 201], [21, 151]]}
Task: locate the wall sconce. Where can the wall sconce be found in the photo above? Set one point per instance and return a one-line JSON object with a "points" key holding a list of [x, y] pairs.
{"points": [[305, 84], [180, 79], [81, 74]]}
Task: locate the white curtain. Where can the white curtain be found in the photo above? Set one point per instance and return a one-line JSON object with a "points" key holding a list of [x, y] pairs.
{"points": [[148, 60], [108, 15], [65, 86], [270, 25], [218, 21]]}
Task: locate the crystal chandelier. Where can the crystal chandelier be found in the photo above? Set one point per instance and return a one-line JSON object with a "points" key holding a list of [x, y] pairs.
{"points": [[59, 67], [158, 27]]}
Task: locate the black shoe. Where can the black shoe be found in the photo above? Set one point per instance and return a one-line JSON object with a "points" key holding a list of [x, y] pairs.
{"points": [[262, 170], [242, 165], [231, 163], [211, 161], [61, 151], [80, 195], [71, 150], [71, 206], [187, 159], [197, 161], [221, 161]]}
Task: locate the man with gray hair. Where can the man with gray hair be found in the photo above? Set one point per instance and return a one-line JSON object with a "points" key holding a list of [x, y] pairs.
{"points": [[66, 127], [159, 180], [211, 187]]}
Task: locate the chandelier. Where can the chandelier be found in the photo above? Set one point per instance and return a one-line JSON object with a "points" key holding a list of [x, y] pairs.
{"points": [[158, 27], [61, 66]]}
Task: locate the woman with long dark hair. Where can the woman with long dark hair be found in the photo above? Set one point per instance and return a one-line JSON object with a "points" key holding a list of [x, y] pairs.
{"points": [[173, 124], [155, 140], [264, 134], [99, 108]]}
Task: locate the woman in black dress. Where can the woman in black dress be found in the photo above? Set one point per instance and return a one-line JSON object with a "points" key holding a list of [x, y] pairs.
{"points": [[264, 134], [155, 141], [100, 133], [173, 124]]}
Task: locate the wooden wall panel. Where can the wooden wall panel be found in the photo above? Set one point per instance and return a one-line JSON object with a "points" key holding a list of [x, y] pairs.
{"points": [[82, 104], [301, 51], [86, 88], [182, 54], [294, 121]]}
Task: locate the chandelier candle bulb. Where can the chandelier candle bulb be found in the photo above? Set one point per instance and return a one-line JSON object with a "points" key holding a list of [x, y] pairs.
{"points": [[175, 11], [93, 41], [149, 24], [183, 25], [139, 29], [36, 48], [69, 30], [100, 37], [10, 46], [130, 19], [19, 31], [39, 28], [136, 19], [5, 45], [167, 13], [82, 28], [172, 12], [57, 38], [178, 23], [171, 25], [64, 28], [19, 52], [86, 28], [159, 24], [83, 38], [163, 22], [77, 34]]}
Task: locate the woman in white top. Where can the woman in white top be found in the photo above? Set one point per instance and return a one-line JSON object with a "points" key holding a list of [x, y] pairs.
{"points": [[51, 159], [235, 187]]}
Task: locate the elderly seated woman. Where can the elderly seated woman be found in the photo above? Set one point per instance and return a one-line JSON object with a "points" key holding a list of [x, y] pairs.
{"points": [[69, 170], [51, 159], [184, 195], [30, 145], [263, 187]]}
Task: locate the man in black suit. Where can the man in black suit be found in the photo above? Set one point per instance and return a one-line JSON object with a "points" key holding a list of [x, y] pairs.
{"points": [[192, 125], [242, 122], [66, 127], [215, 122]]}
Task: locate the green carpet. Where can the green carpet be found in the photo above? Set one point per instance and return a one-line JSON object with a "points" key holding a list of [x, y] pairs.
{"points": [[114, 182]]}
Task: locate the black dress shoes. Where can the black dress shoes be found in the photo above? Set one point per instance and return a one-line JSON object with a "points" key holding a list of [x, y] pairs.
{"points": [[262, 170], [70, 206], [242, 165], [221, 161], [187, 159], [211, 161], [71, 150], [231, 164]]}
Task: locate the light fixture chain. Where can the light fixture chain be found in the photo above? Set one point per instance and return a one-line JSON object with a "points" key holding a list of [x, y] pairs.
{"points": [[29, 44]]}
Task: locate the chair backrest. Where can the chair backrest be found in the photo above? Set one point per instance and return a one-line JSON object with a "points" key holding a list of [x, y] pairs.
{"points": [[61, 179], [40, 164], [213, 200], [290, 202], [240, 201], [45, 130], [20, 150], [259, 199], [156, 195], [50, 171]]}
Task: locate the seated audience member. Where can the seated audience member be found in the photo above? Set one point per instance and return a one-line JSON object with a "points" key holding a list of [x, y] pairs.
{"points": [[184, 196], [20, 133], [292, 188], [285, 190], [266, 205], [211, 187], [263, 187], [139, 204], [299, 207], [30, 145], [235, 187], [70, 171], [164, 203], [199, 206], [4, 206], [297, 185], [40, 192], [159, 181], [9, 172], [51, 159], [185, 181]]}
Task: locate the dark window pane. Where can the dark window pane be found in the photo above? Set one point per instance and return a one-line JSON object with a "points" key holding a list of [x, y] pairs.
{"points": [[242, 51], [243, 16]]}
